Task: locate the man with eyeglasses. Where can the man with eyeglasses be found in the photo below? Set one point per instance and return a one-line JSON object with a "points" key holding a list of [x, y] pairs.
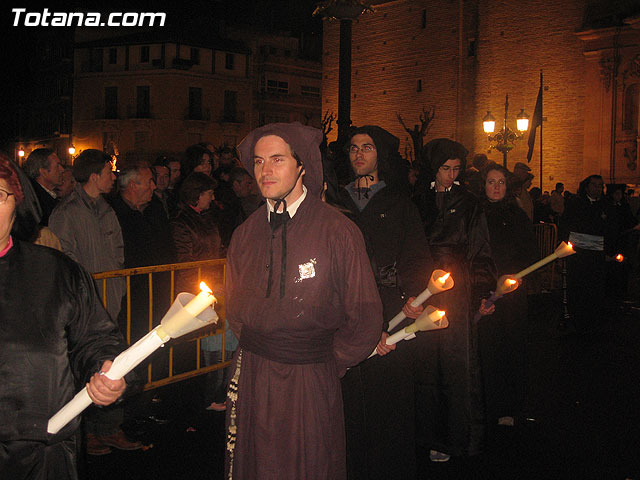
{"points": [[378, 394], [449, 399]]}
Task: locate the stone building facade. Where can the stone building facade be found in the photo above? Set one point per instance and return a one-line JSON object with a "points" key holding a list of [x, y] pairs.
{"points": [[463, 57]]}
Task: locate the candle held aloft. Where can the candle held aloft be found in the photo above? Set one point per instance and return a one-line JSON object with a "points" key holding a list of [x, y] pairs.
{"points": [[563, 250], [440, 281], [619, 258]]}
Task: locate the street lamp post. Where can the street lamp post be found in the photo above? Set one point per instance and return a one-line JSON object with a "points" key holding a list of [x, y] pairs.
{"points": [[346, 11], [504, 140]]}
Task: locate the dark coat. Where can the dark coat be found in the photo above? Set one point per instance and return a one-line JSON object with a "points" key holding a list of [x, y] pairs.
{"points": [[55, 334], [47, 202], [503, 335], [146, 235], [378, 394], [449, 388], [195, 237]]}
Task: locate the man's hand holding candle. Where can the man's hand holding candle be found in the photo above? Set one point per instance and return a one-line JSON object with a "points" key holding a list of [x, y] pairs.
{"points": [[102, 390]]}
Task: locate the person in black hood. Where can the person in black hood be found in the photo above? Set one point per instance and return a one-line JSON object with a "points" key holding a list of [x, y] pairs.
{"points": [[378, 394], [503, 335], [449, 397]]}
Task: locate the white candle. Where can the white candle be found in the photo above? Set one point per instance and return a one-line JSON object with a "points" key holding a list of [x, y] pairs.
{"points": [[439, 282], [563, 250], [175, 324], [430, 319], [178, 321]]}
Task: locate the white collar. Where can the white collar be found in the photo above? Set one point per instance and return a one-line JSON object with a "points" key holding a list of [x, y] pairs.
{"points": [[455, 182], [50, 192], [291, 208]]}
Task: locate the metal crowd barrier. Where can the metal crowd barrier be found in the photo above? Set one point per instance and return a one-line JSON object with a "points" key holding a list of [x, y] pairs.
{"points": [[547, 241], [189, 346]]}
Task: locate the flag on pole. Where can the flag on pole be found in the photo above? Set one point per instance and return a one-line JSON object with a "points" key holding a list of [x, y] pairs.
{"points": [[535, 123]]}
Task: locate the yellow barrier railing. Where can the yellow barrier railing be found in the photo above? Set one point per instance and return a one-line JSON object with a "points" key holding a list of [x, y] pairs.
{"points": [[547, 240], [156, 307]]}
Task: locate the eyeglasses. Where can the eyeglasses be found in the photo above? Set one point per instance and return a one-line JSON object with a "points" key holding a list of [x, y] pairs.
{"points": [[366, 148], [4, 195]]}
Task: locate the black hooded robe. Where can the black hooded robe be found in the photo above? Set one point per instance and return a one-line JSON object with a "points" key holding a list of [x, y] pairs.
{"points": [[54, 334], [449, 399], [379, 393]]}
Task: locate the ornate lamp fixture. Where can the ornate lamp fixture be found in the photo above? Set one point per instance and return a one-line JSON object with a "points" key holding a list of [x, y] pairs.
{"points": [[504, 140]]}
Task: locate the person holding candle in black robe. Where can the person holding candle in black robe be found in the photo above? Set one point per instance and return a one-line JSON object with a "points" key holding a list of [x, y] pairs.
{"points": [[503, 335], [302, 300], [379, 394], [448, 390], [55, 336]]}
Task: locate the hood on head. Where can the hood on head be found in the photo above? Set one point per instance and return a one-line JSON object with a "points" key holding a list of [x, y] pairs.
{"points": [[438, 151], [303, 140], [392, 168]]}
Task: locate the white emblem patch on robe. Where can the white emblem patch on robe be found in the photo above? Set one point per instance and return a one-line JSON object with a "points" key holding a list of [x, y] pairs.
{"points": [[306, 270]]}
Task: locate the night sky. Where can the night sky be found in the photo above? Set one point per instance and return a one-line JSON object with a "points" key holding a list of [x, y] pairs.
{"points": [[283, 15]]}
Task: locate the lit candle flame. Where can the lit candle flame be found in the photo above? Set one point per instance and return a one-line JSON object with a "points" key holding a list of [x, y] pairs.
{"points": [[204, 288], [441, 313], [570, 245], [619, 257], [444, 278], [510, 281]]}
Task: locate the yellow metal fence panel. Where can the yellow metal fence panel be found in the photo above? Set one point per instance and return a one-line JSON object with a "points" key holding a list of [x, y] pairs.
{"points": [[547, 240]]}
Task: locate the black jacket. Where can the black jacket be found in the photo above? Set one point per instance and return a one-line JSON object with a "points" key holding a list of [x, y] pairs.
{"points": [[396, 245], [513, 242], [55, 334], [458, 234]]}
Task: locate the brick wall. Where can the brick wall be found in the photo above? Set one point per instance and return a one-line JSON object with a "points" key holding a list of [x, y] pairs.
{"points": [[514, 40]]}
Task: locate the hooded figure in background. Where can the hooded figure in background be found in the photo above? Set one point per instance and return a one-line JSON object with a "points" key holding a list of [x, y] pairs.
{"points": [[302, 300], [448, 389], [379, 393]]}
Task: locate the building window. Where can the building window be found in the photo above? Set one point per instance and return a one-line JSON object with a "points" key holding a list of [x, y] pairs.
{"points": [[195, 56], [143, 102], [230, 105], [419, 87], [195, 103], [111, 102], [631, 106], [424, 18], [229, 61], [96, 59], [144, 54], [308, 91], [113, 56], [471, 49], [277, 86], [141, 141]]}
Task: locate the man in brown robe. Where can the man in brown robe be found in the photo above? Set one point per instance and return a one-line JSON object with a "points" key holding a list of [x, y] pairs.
{"points": [[302, 299]]}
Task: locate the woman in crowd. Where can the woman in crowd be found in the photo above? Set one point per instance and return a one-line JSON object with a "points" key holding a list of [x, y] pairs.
{"points": [[502, 336], [196, 237]]}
